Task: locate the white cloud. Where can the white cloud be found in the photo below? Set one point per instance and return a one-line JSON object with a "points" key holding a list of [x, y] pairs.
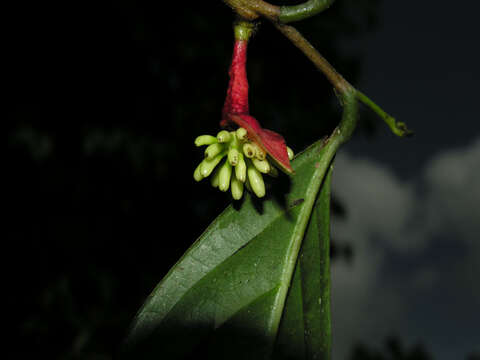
{"points": [[379, 204], [389, 219], [453, 180]]}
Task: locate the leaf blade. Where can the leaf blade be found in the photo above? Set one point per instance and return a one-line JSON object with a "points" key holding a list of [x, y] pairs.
{"points": [[242, 263], [305, 331]]}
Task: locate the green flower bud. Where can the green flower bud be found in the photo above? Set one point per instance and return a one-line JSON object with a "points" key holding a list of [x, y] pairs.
{"points": [[256, 181], [205, 140], [213, 150], [247, 158], [290, 153], [233, 156], [262, 165], [241, 134], [247, 185], [224, 176], [273, 171], [249, 150], [234, 142], [224, 136], [197, 174], [237, 188], [207, 165], [214, 178], [241, 169], [259, 152]]}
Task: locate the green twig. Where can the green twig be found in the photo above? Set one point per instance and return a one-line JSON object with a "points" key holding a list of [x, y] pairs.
{"points": [[303, 11], [397, 127], [315, 57], [252, 9], [347, 125]]}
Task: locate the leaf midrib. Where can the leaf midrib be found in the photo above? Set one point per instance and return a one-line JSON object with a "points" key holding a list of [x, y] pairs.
{"points": [[325, 155], [299, 232], [281, 212]]}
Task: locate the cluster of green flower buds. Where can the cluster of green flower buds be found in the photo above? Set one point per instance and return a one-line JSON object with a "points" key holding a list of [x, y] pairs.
{"points": [[244, 164]]}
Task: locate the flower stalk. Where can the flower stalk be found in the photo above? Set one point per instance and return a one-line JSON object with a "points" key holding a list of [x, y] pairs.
{"points": [[249, 149], [281, 15], [236, 112]]}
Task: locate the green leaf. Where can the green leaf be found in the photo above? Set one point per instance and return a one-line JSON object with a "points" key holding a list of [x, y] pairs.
{"points": [[227, 295], [306, 326]]}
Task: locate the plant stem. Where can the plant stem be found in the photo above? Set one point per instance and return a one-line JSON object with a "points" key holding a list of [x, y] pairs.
{"points": [[398, 128], [264, 8], [252, 9], [340, 84], [243, 30], [303, 11], [348, 123], [315, 57]]}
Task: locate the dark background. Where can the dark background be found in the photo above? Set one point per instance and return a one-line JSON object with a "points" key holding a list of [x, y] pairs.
{"points": [[103, 101]]}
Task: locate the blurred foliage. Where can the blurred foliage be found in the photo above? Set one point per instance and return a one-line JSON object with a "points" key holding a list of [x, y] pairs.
{"points": [[393, 350], [104, 101]]}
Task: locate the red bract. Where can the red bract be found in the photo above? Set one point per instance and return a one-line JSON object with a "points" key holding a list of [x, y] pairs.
{"points": [[236, 101], [236, 111]]}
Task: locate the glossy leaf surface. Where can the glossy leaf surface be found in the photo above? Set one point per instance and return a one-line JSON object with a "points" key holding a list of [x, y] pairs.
{"points": [[246, 288], [306, 328]]}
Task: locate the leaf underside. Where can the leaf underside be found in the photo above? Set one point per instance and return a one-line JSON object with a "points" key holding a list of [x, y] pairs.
{"points": [[255, 285]]}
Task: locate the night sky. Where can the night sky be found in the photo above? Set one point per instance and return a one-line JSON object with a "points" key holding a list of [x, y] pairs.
{"points": [[421, 65], [103, 103]]}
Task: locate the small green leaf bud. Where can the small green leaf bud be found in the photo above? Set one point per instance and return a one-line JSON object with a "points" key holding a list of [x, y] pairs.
{"points": [[256, 181], [224, 136], [213, 150], [196, 174], [207, 165], [224, 176], [241, 169], [249, 150], [241, 134], [205, 140], [290, 153], [233, 156], [237, 188], [262, 165]]}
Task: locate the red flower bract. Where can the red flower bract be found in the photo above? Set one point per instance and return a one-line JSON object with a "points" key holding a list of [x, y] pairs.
{"points": [[236, 111]]}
